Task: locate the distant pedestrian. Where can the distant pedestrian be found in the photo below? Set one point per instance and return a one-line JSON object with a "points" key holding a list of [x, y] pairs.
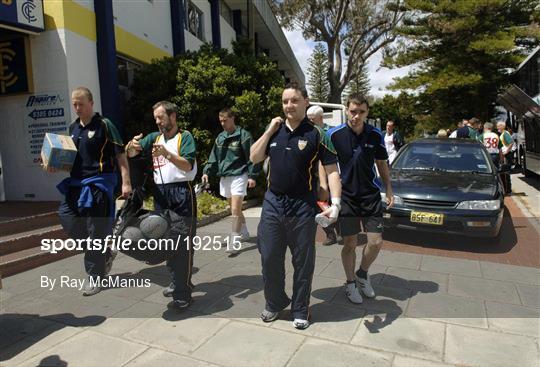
{"points": [[229, 160], [471, 130], [505, 144], [442, 133], [316, 115], [490, 140], [393, 140]]}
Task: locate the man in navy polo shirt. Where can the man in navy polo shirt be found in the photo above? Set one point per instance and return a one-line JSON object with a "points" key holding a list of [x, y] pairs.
{"points": [[294, 147], [359, 148], [88, 208]]}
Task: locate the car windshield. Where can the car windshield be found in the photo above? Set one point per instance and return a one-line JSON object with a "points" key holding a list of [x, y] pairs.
{"points": [[445, 157]]}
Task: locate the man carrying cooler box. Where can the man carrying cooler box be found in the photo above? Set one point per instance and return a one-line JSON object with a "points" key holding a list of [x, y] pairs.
{"points": [[88, 207]]}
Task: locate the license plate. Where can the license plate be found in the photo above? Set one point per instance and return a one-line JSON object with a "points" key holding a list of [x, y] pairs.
{"points": [[427, 218]]}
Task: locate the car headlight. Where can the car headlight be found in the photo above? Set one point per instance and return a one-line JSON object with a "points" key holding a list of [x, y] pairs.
{"points": [[480, 205], [397, 199]]}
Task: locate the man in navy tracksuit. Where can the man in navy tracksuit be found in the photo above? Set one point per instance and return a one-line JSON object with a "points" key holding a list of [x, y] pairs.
{"points": [[88, 208], [294, 147]]}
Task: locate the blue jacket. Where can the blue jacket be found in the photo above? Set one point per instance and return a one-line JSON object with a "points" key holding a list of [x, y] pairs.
{"points": [[105, 182]]}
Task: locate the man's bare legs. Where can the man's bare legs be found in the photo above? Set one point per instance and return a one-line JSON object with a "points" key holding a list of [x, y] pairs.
{"points": [[238, 218], [371, 250], [348, 258]]}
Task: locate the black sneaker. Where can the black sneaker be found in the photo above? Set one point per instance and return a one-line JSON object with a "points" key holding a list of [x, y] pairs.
{"points": [[179, 304], [168, 291]]}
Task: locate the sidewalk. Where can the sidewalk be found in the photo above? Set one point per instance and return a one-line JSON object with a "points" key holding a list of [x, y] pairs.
{"points": [[526, 192], [429, 311]]}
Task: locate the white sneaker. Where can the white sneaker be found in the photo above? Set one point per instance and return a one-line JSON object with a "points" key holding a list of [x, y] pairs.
{"points": [[352, 293], [365, 286], [230, 248], [244, 233], [300, 324]]}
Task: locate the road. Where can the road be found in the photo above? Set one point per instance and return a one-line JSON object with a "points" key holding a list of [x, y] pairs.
{"points": [[518, 243]]}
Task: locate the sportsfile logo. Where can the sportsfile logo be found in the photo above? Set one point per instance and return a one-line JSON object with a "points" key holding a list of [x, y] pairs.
{"points": [[43, 100]]}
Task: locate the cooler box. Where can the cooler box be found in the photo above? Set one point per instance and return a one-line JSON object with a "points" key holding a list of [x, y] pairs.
{"points": [[58, 151]]}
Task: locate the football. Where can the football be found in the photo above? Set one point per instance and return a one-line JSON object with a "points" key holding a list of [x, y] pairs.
{"points": [[154, 226], [132, 233]]}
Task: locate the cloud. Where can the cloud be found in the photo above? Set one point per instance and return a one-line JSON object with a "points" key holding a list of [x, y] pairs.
{"points": [[379, 78], [302, 48]]}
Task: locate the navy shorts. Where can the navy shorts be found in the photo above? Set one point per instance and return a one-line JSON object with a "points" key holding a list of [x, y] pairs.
{"points": [[351, 216]]}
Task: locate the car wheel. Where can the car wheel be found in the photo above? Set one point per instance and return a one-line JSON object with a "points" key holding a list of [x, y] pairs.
{"points": [[496, 237]]}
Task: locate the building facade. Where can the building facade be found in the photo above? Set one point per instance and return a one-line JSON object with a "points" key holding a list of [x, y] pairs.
{"points": [[48, 47]]}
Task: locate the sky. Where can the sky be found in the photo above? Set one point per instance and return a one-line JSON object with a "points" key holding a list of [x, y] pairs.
{"points": [[379, 77]]}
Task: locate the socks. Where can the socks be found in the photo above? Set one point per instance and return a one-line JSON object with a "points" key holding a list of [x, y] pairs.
{"points": [[361, 273]]}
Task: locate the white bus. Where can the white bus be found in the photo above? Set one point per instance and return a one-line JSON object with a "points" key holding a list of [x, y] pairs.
{"points": [[522, 101], [528, 144], [336, 114]]}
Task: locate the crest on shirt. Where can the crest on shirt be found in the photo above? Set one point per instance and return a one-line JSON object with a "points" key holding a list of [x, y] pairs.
{"points": [[302, 144], [160, 161], [91, 134]]}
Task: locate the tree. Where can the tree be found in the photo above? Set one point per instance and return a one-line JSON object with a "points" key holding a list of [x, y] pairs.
{"points": [[201, 84], [360, 83], [317, 73], [352, 30], [463, 52], [401, 109]]}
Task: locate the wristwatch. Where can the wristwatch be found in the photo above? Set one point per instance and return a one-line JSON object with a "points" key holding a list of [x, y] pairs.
{"points": [[168, 156]]}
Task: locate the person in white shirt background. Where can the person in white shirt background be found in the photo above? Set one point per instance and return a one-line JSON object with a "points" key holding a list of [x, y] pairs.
{"points": [[392, 141]]}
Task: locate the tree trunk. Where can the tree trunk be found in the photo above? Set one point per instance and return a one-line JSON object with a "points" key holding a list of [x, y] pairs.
{"points": [[335, 95]]}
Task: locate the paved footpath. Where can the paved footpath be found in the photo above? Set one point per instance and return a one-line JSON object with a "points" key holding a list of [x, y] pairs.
{"points": [[430, 311]]}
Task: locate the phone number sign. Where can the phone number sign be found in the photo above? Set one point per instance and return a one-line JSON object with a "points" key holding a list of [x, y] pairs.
{"points": [[45, 113]]}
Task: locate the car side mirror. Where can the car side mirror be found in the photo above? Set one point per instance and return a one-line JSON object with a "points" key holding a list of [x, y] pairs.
{"points": [[504, 168]]}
